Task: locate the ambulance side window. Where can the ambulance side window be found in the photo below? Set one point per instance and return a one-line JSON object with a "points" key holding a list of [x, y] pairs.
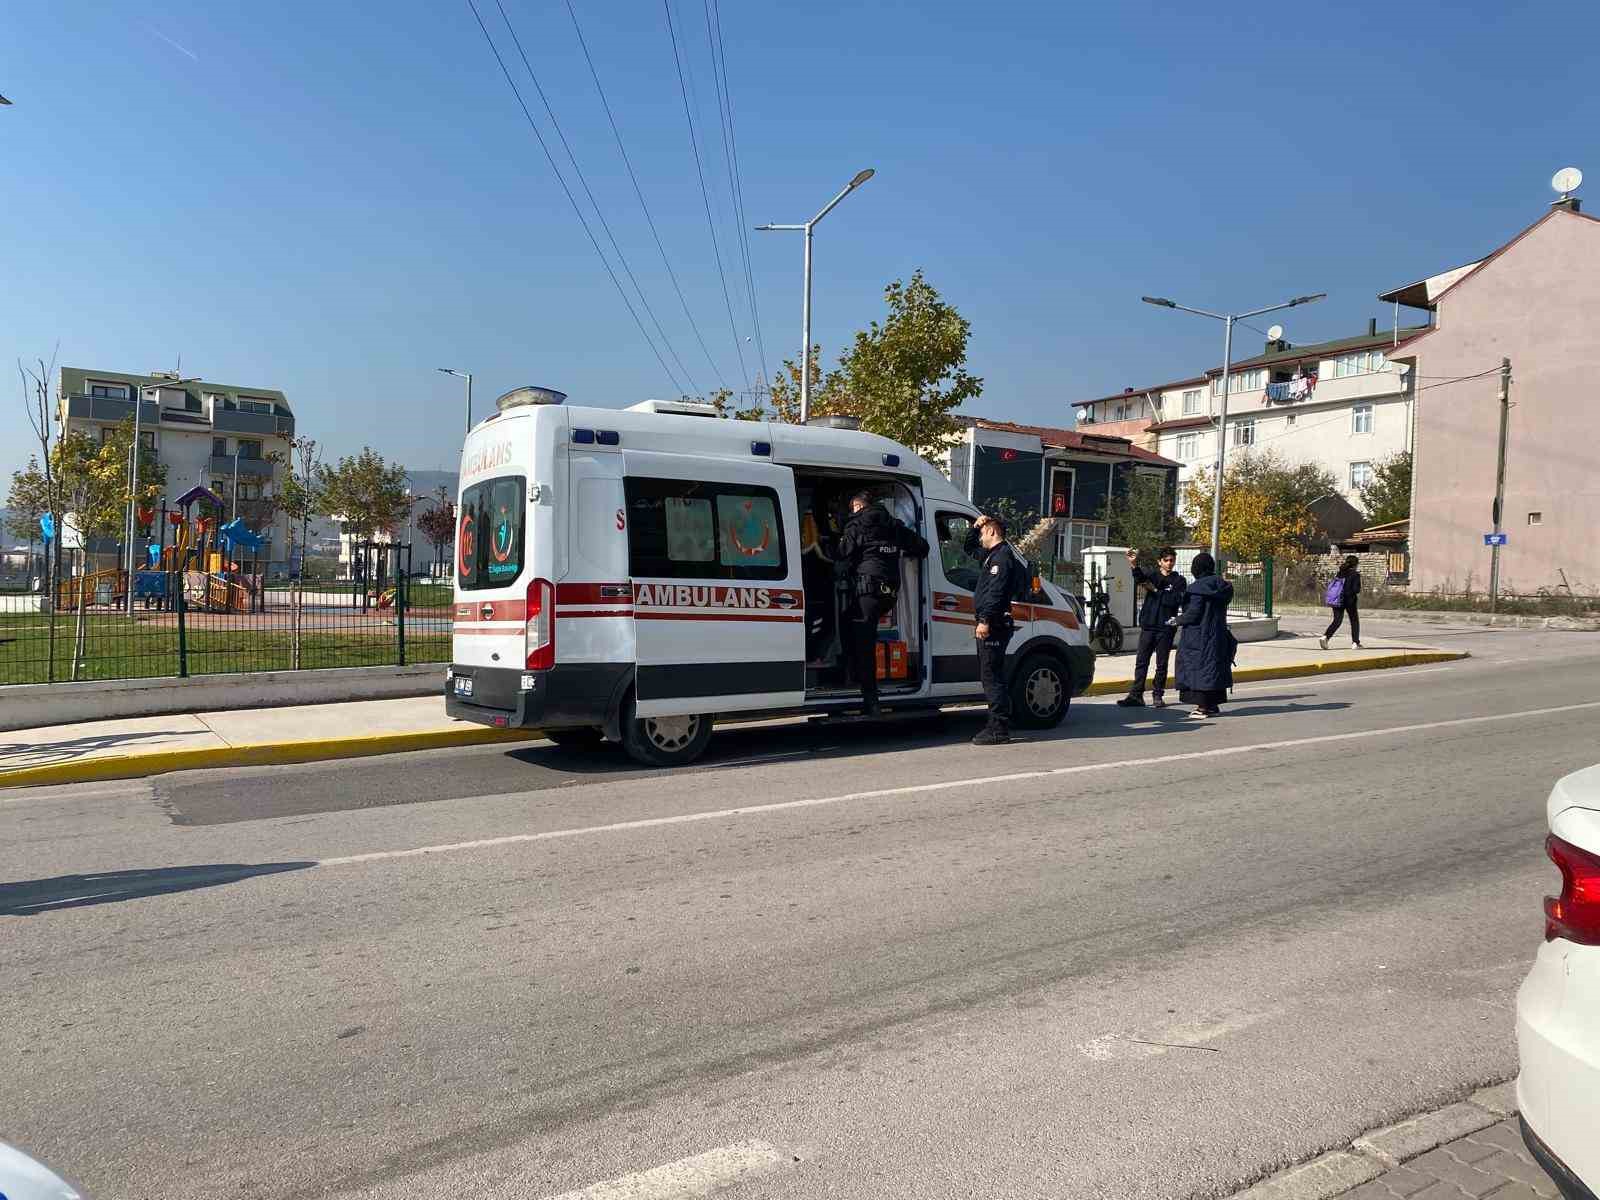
{"points": [[687, 529], [489, 534], [960, 568]]}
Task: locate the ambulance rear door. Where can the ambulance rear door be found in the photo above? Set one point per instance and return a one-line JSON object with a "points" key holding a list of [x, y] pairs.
{"points": [[719, 607]]}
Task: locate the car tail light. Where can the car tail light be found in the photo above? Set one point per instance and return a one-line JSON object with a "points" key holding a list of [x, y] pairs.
{"points": [[1575, 914], [540, 638]]}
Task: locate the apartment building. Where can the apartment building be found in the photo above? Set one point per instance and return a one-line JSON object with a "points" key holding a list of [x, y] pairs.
{"points": [[1532, 301], [1340, 404], [216, 435]]}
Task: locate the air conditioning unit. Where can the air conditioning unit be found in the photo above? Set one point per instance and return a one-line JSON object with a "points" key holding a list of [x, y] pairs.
{"points": [[681, 408]]}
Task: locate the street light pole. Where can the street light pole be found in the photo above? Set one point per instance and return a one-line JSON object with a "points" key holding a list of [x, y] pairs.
{"points": [[467, 375], [805, 307], [1227, 320], [133, 473]]}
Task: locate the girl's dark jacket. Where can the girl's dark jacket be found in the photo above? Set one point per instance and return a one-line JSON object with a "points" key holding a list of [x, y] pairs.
{"points": [[1207, 648]]}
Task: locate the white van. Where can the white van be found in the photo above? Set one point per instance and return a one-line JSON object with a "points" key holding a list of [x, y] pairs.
{"points": [[633, 574]]}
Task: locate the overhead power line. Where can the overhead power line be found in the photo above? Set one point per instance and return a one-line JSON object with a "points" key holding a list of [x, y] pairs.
{"points": [[595, 204], [705, 195], [639, 192], [735, 182], [571, 199]]}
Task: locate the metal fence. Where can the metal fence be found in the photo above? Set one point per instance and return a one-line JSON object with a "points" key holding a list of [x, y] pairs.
{"points": [[200, 611]]}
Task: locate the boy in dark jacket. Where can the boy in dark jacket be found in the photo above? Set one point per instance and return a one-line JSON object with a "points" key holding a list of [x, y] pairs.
{"points": [[1163, 598]]}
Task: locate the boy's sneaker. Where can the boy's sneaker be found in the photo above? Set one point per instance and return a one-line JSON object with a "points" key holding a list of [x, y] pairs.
{"points": [[1358, 645], [990, 736], [1199, 714], [1131, 701], [1157, 702], [1323, 642]]}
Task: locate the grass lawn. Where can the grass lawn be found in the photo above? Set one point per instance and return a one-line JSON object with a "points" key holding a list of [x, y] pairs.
{"points": [[116, 648]]}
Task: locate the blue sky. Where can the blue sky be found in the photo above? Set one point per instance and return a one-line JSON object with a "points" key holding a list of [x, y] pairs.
{"points": [[336, 199]]}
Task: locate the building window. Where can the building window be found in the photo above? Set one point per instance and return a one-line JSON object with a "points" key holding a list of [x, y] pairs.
{"points": [[109, 391], [107, 432], [147, 439], [1078, 536], [219, 447], [255, 406], [1122, 412], [1362, 362], [1244, 433], [1188, 446], [1536, 518], [1361, 419], [1191, 403], [249, 448], [1241, 381], [1360, 475], [1291, 419]]}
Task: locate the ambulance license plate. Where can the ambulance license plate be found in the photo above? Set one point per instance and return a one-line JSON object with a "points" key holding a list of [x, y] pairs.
{"points": [[463, 685]]}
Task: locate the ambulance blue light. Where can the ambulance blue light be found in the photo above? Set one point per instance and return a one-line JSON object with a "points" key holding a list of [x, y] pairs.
{"points": [[583, 437], [891, 460], [760, 447], [609, 437]]}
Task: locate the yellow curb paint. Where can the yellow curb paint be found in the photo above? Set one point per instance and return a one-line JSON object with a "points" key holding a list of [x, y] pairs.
{"points": [[159, 762]]}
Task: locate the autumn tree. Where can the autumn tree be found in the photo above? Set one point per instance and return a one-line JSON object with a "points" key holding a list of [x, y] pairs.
{"points": [[1266, 506], [365, 492], [1388, 496], [300, 488], [438, 525]]}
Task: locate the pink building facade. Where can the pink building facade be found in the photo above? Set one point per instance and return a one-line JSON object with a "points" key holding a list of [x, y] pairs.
{"points": [[1536, 301]]}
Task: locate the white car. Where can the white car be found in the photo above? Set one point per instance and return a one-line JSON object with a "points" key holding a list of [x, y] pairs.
{"points": [[24, 1178], [1558, 1005]]}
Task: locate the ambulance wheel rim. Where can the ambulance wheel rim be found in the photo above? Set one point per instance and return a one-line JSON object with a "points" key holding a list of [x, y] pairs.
{"points": [[671, 734], [1043, 691]]}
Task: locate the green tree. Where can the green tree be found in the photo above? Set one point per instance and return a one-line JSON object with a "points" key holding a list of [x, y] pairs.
{"points": [[300, 487], [365, 492], [1388, 497], [29, 499], [905, 378], [1266, 506], [1141, 516]]}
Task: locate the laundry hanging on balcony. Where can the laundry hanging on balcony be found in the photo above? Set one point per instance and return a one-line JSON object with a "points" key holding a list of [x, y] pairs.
{"points": [[1298, 388]]}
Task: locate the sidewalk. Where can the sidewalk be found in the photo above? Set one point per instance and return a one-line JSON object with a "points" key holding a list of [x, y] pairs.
{"points": [[134, 747], [1472, 1149]]}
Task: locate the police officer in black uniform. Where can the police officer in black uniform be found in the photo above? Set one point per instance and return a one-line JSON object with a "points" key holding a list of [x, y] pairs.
{"points": [[1002, 578], [872, 543]]}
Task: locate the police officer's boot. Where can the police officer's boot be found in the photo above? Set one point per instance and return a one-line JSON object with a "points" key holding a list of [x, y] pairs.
{"points": [[992, 734], [1134, 700]]}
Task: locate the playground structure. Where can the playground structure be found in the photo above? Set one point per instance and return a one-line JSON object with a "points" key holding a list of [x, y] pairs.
{"points": [[203, 564]]}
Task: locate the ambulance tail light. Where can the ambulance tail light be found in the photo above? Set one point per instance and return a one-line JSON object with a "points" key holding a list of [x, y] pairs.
{"points": [[540, 637]]}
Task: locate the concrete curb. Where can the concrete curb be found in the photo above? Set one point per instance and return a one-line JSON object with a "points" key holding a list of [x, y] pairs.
{"points": [[1330, 666], [1380, 1150], [159, 762], [1446, 617], [261, 754]]}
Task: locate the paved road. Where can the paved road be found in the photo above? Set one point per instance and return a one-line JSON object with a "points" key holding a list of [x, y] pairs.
{"points": [[1138, 957]]}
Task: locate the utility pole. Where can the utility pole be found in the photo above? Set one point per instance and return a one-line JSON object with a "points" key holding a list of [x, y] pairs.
{"points": [[1499, 485]]}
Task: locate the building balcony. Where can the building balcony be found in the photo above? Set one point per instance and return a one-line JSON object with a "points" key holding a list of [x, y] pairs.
{"points": [[222, 466], [261, 424], [82, 407]]}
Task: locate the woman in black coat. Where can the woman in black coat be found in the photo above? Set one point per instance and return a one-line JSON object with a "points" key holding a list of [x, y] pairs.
{"points": [[1349, 602], [1206, 649]]}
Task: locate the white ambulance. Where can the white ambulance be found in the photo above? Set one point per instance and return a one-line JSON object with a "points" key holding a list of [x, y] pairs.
{"points": [[634, 574]]}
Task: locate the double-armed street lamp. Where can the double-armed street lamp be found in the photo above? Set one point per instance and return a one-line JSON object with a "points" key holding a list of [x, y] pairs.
{"points": [[805, 311], [1227, 320]]}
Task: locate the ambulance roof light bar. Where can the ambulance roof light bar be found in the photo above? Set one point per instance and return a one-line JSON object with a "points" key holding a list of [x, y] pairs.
{"points": [[518, 397]]}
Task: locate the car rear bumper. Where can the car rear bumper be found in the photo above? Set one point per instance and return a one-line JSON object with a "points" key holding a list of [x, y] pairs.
{"points": [[1558, 1045], [564, 697], [1571, 1186]]}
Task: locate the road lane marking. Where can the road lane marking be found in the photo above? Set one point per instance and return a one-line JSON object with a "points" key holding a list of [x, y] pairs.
{"points": [[697, 1176], [947, 785]]}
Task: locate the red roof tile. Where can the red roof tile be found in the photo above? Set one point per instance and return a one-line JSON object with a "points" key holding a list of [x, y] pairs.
{"points": [[1073, 439]]}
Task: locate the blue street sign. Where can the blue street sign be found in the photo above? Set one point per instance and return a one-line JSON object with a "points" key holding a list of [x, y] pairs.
{"points": [[1494, 539], [47, 526]]}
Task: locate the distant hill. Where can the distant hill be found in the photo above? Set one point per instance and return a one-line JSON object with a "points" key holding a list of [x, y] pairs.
{"points": [[428, 483]]}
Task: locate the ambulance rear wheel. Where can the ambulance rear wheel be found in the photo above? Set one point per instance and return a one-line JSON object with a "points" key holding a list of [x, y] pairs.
{"points": [[1041, 691], [665, 741]]}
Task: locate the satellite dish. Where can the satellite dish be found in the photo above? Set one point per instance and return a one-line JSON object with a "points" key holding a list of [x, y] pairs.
{"points": [[1567, 180], [1275, 332], [1403, 368]]}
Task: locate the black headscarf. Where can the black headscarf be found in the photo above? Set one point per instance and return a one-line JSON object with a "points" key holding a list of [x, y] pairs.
{"points": [[1202, 566]]}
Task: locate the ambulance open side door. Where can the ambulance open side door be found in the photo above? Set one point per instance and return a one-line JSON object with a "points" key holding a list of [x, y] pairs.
{"points": [[719, 607]]}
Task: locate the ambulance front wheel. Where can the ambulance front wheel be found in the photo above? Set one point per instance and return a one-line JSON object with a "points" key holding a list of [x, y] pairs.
{"points": [[664, 741], [1041, 692]]}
